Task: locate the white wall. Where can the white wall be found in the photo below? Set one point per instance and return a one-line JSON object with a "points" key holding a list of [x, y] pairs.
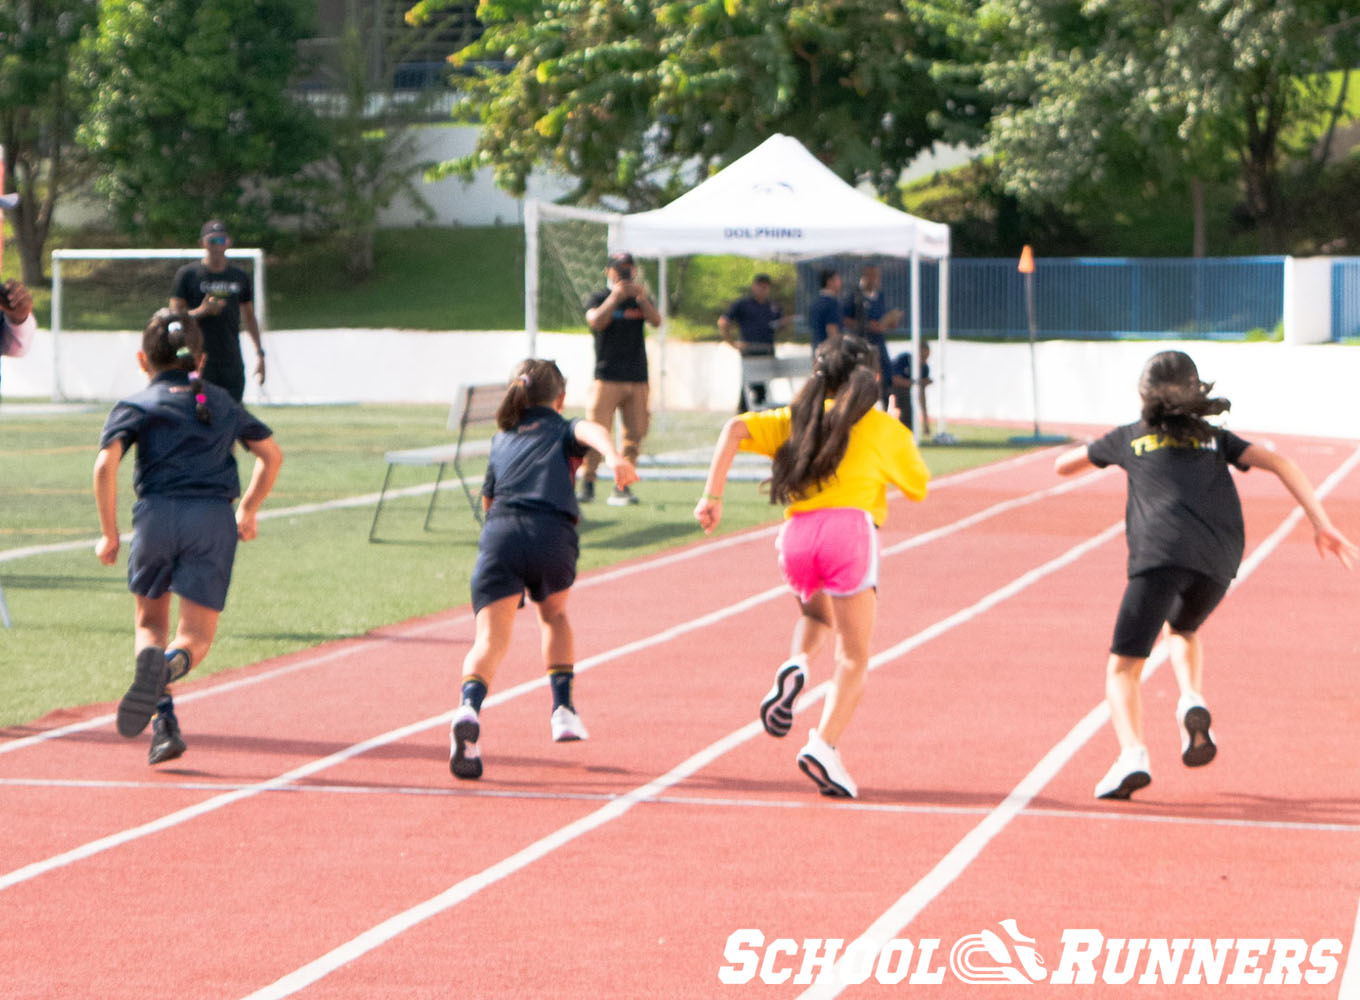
{"points": [[1286, 388]]}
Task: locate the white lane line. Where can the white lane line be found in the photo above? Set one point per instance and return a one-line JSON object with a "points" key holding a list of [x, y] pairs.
{"points": [[688, 801], [376, 936], [665, 560], [102, 844], [898, 916], [1350, 978]]}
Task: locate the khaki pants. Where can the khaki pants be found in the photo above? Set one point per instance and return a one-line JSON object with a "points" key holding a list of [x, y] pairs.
{"points": [[630, 400]]}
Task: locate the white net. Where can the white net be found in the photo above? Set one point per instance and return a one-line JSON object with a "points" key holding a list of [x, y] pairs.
{"points": [[567, 248]]}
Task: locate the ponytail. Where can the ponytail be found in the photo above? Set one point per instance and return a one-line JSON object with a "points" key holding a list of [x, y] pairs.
{"points": [[535, 382], [845, 371], [1175, 401], [172, 341]]}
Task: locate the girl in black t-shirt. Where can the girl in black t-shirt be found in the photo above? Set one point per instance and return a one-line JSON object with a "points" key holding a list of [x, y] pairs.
{"points": [[1183, 523], [529, 543]]}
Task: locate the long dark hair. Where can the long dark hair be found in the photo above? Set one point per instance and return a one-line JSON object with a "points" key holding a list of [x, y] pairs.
{"points": [[172, 341], [535, 382], [1175, 401], [846, 370]]}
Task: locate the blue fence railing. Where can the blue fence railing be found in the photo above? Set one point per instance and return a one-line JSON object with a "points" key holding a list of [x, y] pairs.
{"points": [[1085, 297], [1346, 298]]}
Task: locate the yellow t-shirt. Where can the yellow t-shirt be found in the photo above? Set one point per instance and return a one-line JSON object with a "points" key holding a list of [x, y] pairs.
{"points": [[881, 450]]}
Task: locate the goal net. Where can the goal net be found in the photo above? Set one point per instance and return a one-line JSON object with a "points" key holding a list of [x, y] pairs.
{"points": [[564, 259], [101, 299]]}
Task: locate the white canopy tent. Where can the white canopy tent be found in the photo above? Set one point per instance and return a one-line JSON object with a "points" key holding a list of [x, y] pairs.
{"points": [[776, 202]]}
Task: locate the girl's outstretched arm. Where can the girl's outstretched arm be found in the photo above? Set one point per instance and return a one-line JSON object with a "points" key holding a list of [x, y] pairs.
{"points": [[708, 511], [1325, 536], [268, 458], [1073, 461], [596, 436]]}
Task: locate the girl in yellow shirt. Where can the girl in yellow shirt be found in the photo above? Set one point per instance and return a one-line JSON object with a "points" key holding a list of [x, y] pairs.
{"points": [[834, 456]]}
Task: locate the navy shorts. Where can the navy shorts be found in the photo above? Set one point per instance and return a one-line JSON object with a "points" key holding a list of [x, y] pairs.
{"points": [[524, 550], [182, 545], [1181, 597]]}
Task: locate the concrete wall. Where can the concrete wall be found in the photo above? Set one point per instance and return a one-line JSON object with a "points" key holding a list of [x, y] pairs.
{"points": [[1281, 387]]}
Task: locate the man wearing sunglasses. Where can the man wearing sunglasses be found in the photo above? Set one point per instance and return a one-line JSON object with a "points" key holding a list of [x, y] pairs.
{"points": [[221, 297]]}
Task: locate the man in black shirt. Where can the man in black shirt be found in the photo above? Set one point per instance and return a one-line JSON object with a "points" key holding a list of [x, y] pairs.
{"points": [[221, 297], [618, 315]]}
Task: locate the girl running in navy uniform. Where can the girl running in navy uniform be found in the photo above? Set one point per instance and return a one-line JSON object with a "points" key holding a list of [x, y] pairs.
{"points": [[834, 456], [529, 543], [1183, 523], [184, 532]]}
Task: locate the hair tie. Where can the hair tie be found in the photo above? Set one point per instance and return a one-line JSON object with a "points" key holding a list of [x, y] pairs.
{"points": [[183, 352], [175, 326], [525, 379]]}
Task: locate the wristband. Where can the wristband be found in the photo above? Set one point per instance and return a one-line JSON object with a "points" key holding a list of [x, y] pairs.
{"points": [[710, 496]]}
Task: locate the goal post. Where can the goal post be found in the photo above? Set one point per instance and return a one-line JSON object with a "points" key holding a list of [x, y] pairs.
{"points": [[59, 257]]}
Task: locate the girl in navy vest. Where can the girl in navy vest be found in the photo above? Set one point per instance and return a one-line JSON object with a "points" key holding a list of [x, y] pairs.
{"points": [[1183, 523], [529, 543], [184, 531]]}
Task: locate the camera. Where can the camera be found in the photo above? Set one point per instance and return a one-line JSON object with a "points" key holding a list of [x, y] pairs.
{"points": [[625, 272]]}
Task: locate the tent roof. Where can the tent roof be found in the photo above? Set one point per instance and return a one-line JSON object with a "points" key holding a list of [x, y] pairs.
{"points": [[777, 201]]}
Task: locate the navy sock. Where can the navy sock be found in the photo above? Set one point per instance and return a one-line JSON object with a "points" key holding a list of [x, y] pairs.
{"points": [[166, 704], [179, 663], [560, 678], [474, 690]]}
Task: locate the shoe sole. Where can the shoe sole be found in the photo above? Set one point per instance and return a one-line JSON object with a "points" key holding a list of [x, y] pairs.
{"points": [[1133, 781], [148, 684], [171, 750], [776, 711], [1196, 723], [569, 736], [813, 768], [465, 732]]}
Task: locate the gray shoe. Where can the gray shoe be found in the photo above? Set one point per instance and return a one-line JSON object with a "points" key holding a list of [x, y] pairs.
{"points": [[148, 684]]}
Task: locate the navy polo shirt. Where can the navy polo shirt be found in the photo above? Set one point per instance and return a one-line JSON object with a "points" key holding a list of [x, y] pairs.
{"points": [[826, 309], [756, 320], [533, 465], [177, 454]]}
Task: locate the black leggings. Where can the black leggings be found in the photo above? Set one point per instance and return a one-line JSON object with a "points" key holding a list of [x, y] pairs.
{"points": [[1182, 597]]}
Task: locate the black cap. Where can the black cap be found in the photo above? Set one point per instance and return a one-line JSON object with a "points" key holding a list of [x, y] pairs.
{"points": [[213, 228], [761, 279], [618, 260]]}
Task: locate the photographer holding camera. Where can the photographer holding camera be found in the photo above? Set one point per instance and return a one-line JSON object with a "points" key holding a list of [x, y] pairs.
{"points": [[617, 315], [17, 325]]}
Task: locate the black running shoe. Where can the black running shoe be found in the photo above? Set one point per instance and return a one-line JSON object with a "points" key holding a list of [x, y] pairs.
{"points": [[166, 741], [465, 759], [776, 711], [586, 494], [148, 684]]}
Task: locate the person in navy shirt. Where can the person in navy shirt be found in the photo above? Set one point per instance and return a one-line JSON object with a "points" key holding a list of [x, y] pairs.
{"points": [[757, 318], [529, 544], [184, 531], [867, 313], [826, 319], [1183, 524]]}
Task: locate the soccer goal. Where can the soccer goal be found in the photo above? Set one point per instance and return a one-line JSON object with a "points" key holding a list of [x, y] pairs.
{"points": [[84, 285], [565, 250]]}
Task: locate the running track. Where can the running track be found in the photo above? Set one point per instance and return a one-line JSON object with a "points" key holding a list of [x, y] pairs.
{"points": [[312, 842]]}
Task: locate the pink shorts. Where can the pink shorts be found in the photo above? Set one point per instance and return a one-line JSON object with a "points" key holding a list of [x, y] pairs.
{"points": [[834, 549]]}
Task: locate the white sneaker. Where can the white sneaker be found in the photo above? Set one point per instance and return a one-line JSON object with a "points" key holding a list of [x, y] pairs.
{"points": [[820, 762], [1197, 739], [465, 760], [567, 725], [1129, 773]]}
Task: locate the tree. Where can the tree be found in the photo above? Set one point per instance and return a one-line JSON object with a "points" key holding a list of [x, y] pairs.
{"points": [[1177, 95], [631, 97], [39, 110], [192, 117]]}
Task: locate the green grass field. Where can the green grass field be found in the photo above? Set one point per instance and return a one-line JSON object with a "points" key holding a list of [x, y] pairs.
{"points": [[311, 576]]}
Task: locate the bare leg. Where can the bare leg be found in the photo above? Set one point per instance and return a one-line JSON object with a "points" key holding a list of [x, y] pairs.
{"points": [[1123, 678], [151, 621], [1187, 661], [494, 623], [559, 643], [813, 627], [854, 617], [196, 630]]}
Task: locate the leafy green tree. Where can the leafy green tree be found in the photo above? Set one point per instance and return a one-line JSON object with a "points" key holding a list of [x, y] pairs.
{"points": [[39, 110], [192, 117], [628, 96], [1100, 98]]}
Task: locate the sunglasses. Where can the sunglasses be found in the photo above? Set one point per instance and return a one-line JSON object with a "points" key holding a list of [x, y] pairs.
{"points": [[217, 241]]}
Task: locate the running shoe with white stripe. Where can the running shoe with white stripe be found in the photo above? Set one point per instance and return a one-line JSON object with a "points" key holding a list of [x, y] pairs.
{"points": [[776, 711], [1197, 739], [465, 759], [1129, 773], [820, 762]]}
